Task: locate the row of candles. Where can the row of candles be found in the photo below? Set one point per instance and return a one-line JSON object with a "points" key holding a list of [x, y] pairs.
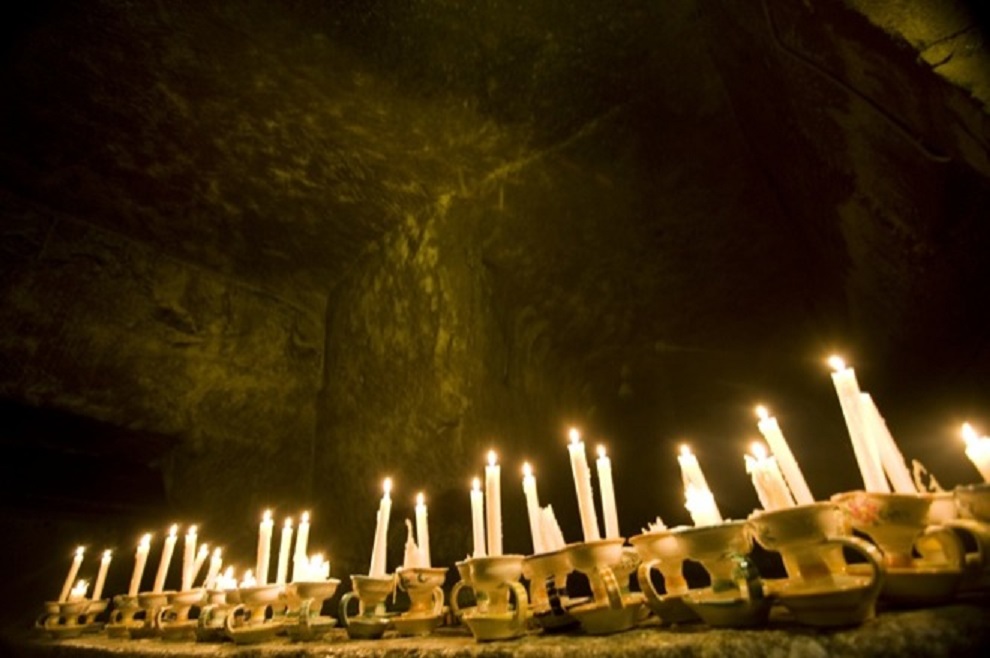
{"points": [[776, 477]]}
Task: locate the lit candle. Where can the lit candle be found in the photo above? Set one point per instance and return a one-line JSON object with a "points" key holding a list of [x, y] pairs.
{"points": [[582, 486], [78, 593], [249, 580], [201, 554], [890, 456], [226, 580], [978, 450], [604, 467], [477, 518], [690, 470], [264, 548], [767, 480], [73, 571], [411, 557], [867, 455], [165, 560], [422, 531], [532, 508], [285, 544], [785, 459], [380, 548], [699, 500], [551, 536], [300, 558], [101, 576], [140, 559], [216, 563], [493, 504], [188, 558]]}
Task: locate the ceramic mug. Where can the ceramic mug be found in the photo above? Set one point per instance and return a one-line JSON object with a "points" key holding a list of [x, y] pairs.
{"points": [[370, 592], [662, 551]]}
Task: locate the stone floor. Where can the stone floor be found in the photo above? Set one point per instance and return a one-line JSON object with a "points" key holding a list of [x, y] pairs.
{"points": [[953, 630]]}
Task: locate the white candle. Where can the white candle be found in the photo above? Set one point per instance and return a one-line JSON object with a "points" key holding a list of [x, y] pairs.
{"points": [[380, 548], [890, 456], [477, 518], [140, 559], [582, 486], [188, 558], [552, 537], [285, 544], [604, 467], [867, 455], [411, 557], [71, 577], [166, 559], [226, 580], [785, 459], [532, 508], [691, 472], [767, 480], [249, 580], [700, 503], [422, 531], [264, 559], [101, 576], [978, 450], [201, 555], [78, 593], [493, 504], [300, 558], [216, 563]]}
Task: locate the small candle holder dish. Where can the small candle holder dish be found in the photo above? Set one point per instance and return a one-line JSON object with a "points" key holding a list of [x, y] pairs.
{"points": [[252, 620], [973, 501], [51, 608], [372, 620], [662, 550], [548, 600], [735, 597], [150, 603], [898, 524], [424, 585], [464, 571], [68, 621], [176, 621], [819, 589], [95, 609], [127, 613], [211, 624], [972, 523], [495, 580], [613, 608], [304, 603]]}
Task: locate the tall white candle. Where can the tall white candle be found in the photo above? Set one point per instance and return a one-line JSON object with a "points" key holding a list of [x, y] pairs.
{"points": [[890, 456], [604, 466], [201, 554], [553, 538], [300, 559], [582, 486], [380, 549], [216, 563], [691, 472], [478, 519], [978, 450], [767, 480], [263, 563], [532, 508], [422, 531], [493, 504], [101, 576], [285, 544], [140, 559], [188, 558], [785, 458], [166, 559], [867, 455], [699, 500], [71, 577]]}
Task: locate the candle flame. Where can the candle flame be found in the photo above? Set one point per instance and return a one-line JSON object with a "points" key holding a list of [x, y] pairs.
{"points": [[527, 470], [204, 549], [387, 486], [106, 554], [288, 522], [601, 451], [492, 458], [685, 450], [267, 516], [761, 412], [217, 553], [476, 484], [145, 540], [836, 363], [80, 550], [574, 435], [173, 530], [192, 531], [758, 449], [420, 500], [968, 433], [305, 517]]}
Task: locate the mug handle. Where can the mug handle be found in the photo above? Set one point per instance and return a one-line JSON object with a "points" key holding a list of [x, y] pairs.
{"points": [[611, 584], [205, 615], [438, 601], [228, 621], [979, 560], [522, 601], [646, 583], [939, 544], [159, 621], [344, 601], [866, 550], [454, 594]]}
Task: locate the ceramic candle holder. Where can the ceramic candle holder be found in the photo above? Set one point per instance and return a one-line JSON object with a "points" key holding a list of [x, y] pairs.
{"points": [[371, 593], [424, 585], [819, 589], [69, 621], [496, 582], [126, 613], [252, 620], [547, 576], [735, 598], [899, 525], [304, 603], [211, 624], [972, 504], [973, 501], [662, 550], [613, 608], [175, 620], [151, 603]]}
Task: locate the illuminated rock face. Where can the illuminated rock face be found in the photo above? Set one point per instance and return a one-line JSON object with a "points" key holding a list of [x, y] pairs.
{"points": [[318, 247]]}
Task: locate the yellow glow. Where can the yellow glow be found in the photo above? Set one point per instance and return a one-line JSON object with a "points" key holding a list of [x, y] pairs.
{"points": [[192, 531], [758, 449], [476, 484], [420, 499], [106, 554], [80, 550], [685, 450], [601, 451], [145, 540], [574, 435], [968, 433], [527, 470], [267, 516], [836, 363], [761, 412], [305, 517], [492, 458], [387, 486], [204, 549], [217, 553], [288, 522]]}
